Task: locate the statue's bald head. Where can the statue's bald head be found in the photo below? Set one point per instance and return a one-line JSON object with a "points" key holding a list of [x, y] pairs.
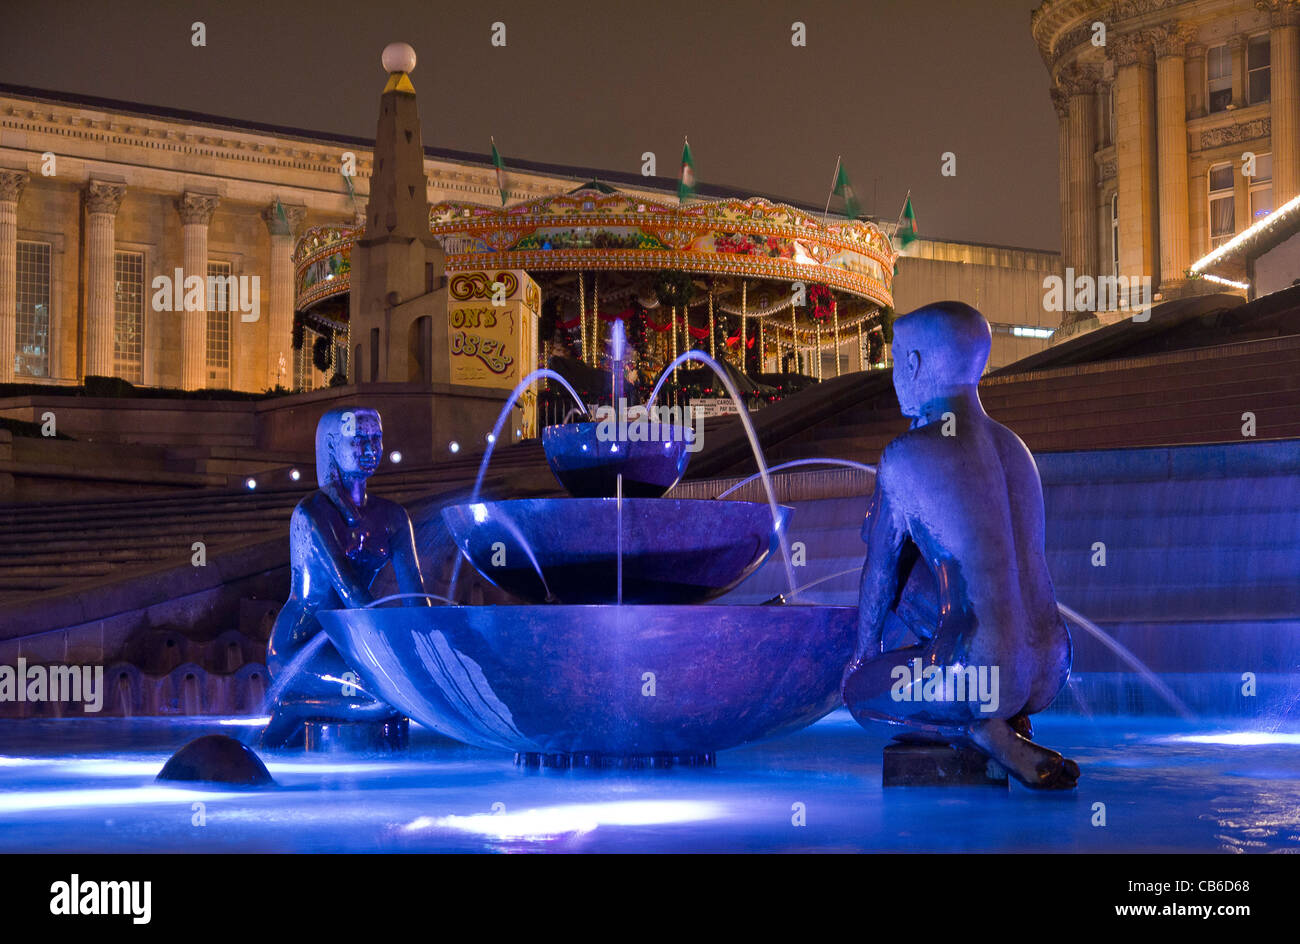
{"points": [[938, 347], [952, 337]]}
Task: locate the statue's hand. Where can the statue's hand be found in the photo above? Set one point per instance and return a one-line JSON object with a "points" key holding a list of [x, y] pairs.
{"points": [[853, 666]]}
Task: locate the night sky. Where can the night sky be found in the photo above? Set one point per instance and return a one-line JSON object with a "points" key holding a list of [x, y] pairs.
{"points": [[889, 84]]}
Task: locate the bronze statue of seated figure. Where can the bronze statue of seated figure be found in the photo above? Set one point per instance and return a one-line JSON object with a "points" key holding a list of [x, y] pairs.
{"points": [[340, 539], [958, 506]]}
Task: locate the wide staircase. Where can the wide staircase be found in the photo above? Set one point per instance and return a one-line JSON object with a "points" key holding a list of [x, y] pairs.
{"points": [[123, 582], [1187, 557], [1178, 398]]}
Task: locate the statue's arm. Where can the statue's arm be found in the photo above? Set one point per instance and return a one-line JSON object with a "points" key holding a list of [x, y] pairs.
{"points": [[885, 535], [406, 562]]}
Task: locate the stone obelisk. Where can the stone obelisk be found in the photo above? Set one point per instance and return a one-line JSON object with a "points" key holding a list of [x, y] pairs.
{"points": [[397, 265]]}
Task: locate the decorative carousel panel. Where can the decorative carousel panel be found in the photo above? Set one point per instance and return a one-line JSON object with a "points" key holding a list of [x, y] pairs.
{"points": [[591, 229], [322, 264]]}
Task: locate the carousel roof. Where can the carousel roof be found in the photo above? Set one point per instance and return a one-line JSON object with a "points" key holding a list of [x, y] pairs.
{"points": [[599, 228]]}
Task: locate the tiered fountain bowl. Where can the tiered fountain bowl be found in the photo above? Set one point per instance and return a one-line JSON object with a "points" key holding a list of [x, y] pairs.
{"points": [[612, 658]]}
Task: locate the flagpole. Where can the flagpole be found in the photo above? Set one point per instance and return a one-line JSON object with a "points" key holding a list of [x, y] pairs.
{"points": [[834, 177], [899, 221]]}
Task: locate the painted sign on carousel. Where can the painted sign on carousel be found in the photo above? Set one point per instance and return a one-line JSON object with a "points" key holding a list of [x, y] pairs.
{"points": [[492, 330]]}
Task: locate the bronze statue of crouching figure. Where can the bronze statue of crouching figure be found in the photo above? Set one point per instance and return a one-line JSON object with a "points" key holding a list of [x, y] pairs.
{"points": [[958, 504], [340, 539]]}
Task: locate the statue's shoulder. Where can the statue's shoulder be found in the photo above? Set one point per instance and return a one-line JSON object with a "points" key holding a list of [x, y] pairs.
{"points": [[391, 509], [311, 506]]}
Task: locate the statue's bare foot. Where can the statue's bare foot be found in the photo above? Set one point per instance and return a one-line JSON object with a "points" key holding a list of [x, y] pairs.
{"points": [[1035, 766]]}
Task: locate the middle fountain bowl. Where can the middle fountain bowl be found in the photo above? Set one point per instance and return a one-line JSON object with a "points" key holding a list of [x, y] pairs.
{"points": [[567, 550]]}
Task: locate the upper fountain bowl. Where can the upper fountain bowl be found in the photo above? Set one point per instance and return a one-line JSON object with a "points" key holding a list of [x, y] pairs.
{"points": [[588, 462]]}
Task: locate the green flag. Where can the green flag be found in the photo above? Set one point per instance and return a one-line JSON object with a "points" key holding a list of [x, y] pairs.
{"points": [[279, 211], [845, 189], [686, 185], [501, 171], [907, 226]]}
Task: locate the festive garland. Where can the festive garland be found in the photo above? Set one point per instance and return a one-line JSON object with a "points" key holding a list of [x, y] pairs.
{"points": [[822, 302], [674, 288]]}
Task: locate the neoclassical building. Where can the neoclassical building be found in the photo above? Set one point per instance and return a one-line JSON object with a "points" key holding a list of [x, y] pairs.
{"points": [[1179, 126], [107, 209]]}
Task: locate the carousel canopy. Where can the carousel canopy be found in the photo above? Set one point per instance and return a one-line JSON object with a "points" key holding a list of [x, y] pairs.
{"points": [[597, 228]]}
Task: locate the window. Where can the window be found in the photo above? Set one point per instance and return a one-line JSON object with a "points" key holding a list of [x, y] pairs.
{"points": [[1261, 187], [32, 341], [128, 316], [218, 304], [1223, 217], [1257, 69], [1114, 233], [1218, 64]]}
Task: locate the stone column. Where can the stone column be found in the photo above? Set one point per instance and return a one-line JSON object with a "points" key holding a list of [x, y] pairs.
{"points": [[1237, 46], [1080, 87], [279, 324], [102, 201], [196, 211], [1135, 154], [12, 183], [1197, 106], [1284, 58], [1171, 110], [1061, 102]]}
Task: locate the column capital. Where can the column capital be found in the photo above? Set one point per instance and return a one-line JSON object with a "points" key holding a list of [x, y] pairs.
{"points": [[1171, 39], [1131, 49], [1079, 80], [1061, 102], [104, 196], [12, 183], [291, 222], [1280, 12], [197, 207], [1196, 51]]}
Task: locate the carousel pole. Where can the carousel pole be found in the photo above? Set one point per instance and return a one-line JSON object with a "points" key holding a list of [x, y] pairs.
{"points": [[582, 316], [817, 341], [595, 320], [744, 324], [762, 350], [713, 344], [835, 324], [673, 332], [862, 352], [794, 339]]}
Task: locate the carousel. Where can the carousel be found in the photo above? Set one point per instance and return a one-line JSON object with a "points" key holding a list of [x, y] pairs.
{"points": [[781, 296]]}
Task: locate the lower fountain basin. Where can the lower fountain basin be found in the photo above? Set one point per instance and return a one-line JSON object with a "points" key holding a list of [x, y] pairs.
{"points": [[610, 680], [673, 550]]}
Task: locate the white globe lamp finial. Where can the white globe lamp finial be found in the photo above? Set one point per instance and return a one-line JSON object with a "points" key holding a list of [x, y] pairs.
{"points": [[398, 57]]}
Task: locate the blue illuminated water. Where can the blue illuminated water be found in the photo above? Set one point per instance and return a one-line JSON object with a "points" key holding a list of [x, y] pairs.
{"points": [[1166, 785]]}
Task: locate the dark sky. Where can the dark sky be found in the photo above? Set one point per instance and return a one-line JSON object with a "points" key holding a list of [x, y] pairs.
{"points": [[890, 84]]}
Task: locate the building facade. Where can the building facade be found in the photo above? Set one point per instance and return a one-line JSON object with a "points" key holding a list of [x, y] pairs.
{"points": [[1179, 126], [108, 209]]}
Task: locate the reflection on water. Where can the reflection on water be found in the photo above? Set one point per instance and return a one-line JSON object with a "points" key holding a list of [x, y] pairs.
{"points": [[1168, 785]]}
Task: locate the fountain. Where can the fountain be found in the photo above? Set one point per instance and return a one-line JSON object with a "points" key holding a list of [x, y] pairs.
{"points": [[613, 657]]}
